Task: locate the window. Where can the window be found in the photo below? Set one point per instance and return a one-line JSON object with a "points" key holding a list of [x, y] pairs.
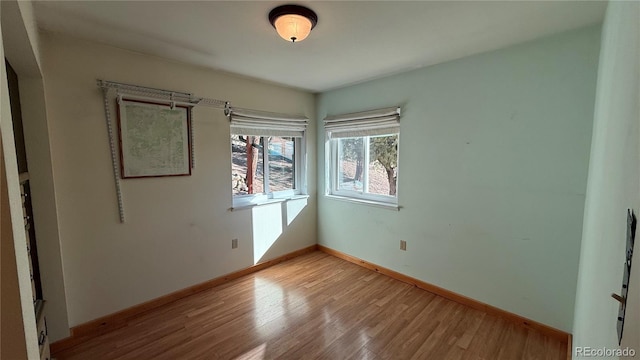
{"points": [[363, 155], [250, 166], [266, 156]]}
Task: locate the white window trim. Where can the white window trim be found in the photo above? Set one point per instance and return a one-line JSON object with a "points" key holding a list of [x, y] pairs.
{"points": [[353, 200], [359, 124], [268, 202], [300, 180], [360, 197]]}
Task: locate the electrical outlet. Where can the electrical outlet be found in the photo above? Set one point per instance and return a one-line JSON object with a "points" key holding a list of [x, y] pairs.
{"points": [[234, 243], [403, 245]]}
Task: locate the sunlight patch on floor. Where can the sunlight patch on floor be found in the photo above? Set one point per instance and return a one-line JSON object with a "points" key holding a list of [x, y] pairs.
{"points": [[257, 353]]}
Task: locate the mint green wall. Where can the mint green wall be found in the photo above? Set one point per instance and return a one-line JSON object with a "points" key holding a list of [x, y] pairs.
{"points": [[493, 168], [614, 180]]}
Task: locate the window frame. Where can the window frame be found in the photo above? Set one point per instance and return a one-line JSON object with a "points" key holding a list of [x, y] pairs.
{"points": [[299, 175], [364, 196]]}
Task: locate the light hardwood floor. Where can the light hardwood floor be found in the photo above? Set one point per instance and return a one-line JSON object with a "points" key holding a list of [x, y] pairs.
{"points": [[317, 306]]}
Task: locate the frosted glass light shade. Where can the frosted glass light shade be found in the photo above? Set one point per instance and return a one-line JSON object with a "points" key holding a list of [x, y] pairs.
{"points": [[293, 27], [293, 22]]}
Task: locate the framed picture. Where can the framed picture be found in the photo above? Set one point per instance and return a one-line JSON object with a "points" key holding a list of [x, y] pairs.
{"points": [[154, 139]]}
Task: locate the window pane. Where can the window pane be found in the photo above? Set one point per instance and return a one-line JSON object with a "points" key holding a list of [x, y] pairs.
{"points": [[281, 163], [247, 178], [350, 163], [383, 164]]}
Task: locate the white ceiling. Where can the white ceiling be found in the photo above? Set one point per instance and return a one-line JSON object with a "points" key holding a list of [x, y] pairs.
{"points": [[354, 41]]}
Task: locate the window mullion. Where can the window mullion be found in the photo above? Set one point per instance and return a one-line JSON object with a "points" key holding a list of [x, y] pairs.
{"points": [[296, 165], [265, 164], [302, 163], [335, 164], [365, 166]]}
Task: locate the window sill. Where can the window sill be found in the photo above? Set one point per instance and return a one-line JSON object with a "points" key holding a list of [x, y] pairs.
{"points": [[379, 204], [268, 202]]}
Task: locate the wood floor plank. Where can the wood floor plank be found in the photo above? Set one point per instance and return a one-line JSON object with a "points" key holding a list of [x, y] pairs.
{"points": [[486, 343], [437, 343], [513, 345], [363, 354], [317, 306], [534, 347]]}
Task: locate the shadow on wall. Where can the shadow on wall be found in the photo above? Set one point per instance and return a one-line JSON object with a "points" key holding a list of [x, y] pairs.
{"points": [[269, 223]]}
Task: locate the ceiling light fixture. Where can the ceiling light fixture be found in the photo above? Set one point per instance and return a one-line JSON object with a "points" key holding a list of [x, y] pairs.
{"points": [[293, 22]]}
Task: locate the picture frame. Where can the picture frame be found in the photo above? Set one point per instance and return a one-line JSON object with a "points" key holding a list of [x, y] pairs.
{"points": [[154, 139]]}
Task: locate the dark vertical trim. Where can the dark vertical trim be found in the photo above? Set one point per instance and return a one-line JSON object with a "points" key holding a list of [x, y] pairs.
{"points": [[16, 114], [31, 233]]}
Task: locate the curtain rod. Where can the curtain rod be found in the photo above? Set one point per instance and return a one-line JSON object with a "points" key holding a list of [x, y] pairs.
{"points": [[155, 93]]}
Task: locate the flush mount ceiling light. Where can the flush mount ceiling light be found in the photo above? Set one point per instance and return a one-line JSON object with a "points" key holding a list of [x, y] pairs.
{"points": [[293, 22]]}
